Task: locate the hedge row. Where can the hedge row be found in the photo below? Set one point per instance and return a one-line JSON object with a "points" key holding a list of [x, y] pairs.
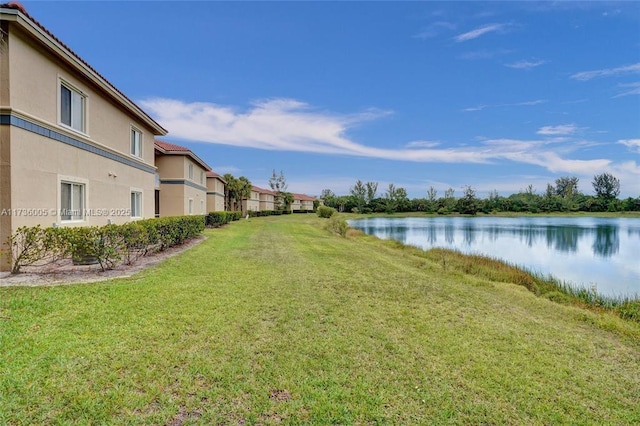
{"points": [[217, 219], [106, 245], [253, 213]]}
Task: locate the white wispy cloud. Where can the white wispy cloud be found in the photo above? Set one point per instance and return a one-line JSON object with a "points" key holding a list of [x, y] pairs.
{"points": [[434, 29], [629, 89], [588, 75], [423, 144], [285, 125], [290, 125], [525, 65], [485, 54], [562, 129], [470, 35], [526, 103], [632, 144]]}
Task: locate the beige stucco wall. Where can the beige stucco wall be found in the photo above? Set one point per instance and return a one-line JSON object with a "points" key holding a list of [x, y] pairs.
{"points": [[253, 203], [38, 164], [32, 165], [266, 202], [215, 195], [175, 196], [34, 90]]}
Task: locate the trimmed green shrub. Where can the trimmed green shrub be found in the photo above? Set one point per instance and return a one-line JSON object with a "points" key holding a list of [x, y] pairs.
{"points": [[326, 212], [106, 245]]}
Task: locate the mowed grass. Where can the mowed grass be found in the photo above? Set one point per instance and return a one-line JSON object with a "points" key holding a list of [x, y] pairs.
{"points": [[275, 320]]}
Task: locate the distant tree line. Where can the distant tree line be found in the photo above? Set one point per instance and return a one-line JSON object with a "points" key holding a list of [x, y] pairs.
{"points": [[562, 196]]}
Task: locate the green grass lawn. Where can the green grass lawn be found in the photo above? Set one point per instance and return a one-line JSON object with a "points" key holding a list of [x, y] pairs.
{"points": [[276, 320]]}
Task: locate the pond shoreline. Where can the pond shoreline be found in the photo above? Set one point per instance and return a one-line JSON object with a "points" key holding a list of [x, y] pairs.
{"points": [[584, 252]]}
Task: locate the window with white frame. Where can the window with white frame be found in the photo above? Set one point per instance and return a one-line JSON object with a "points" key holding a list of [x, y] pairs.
{"points": [[190, 206], [72, 202], [72, 108], [201, 177], [136, 204], [136, 142], [202, 206], [190, 171]]}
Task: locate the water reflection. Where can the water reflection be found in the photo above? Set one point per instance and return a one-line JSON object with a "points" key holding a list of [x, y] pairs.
{"points": [[606, 243], [585, 251]]}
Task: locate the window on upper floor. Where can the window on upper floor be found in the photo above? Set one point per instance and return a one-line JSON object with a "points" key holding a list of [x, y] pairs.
{"points": [[190, 171], [201, 177], [136, 142], [73, 106], [72, 201]]}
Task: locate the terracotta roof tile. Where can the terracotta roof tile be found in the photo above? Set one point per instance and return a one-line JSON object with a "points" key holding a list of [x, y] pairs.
{"points": [[170, 147]]}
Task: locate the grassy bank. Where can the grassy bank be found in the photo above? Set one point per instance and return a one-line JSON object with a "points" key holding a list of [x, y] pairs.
{"points": [[276, 320]]}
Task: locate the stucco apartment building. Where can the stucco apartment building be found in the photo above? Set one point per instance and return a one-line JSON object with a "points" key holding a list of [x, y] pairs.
{"points": [[215, 192], [302, 202], [267, 199], [74, 150], [252, 204], [181, 187]]}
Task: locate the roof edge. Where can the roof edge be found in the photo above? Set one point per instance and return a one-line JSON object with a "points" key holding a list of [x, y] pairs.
{"points": [[46, 37]]}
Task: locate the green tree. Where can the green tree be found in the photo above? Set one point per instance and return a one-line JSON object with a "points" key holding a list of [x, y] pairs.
{"points": [[567, 186], [243, 191], [230, 191], [287, 200], [468, 203], [606, 186], [278, 184], [359, 194], [372, 189], [432, 200], [390, 198]]}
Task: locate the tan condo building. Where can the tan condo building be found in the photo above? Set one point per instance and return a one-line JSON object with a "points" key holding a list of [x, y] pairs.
{"points": [[215, 192], [181, 186], [74, 150], [302, 202]]}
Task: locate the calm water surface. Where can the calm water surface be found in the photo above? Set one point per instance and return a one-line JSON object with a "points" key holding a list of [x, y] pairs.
{"points": [[604, 252]]}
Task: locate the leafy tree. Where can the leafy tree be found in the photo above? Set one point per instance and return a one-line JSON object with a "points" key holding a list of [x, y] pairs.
{"points": [[278, 184], [359, 194], [287, 200], [606, 186], [567, 186], [230, 192], [432, 200], [468, 203], [243, 191], [402, 200], [372, 189], [390, 197], [448, 202], [327, 193]]}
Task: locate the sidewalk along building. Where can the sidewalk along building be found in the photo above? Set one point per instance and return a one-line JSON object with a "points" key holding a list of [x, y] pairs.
{"points": [[181, 184], [74, 150]]}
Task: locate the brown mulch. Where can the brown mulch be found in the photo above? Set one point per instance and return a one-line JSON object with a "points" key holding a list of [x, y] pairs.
{"points": [[67, 273]]}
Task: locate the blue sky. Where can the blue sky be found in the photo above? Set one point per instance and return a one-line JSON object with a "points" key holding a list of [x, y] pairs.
{"points": [[494, 95]]}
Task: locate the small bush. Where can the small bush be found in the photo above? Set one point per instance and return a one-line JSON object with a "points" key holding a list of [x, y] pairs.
{"points": [[326, 212], [34, 246], [337, 225]]}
